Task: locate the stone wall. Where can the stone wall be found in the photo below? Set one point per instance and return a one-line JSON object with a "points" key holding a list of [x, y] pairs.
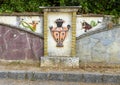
{"points": [[100, 46], [19, 44]]}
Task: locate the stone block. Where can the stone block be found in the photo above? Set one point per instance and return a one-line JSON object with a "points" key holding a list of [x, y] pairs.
{"points": [[118, 79], [92, 78], [56, 76], [29, 75], [110, 78], [73, 77], [21, 74], [41, 76], [12, 75], [50, 62], [3, 74], [62, 62], [70, 62], [99, 78]]}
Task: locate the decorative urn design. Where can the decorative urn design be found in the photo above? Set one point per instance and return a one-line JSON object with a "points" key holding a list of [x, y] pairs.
{"points": [[59, 33]]}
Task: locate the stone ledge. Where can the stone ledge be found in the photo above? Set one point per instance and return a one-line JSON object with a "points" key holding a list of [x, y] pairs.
{"points": [[61, 62], [62, 76], [61, 9], [22, 14]]}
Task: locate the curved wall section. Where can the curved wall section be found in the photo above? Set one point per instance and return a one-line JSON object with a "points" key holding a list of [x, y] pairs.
{"points": [[103, 46]]}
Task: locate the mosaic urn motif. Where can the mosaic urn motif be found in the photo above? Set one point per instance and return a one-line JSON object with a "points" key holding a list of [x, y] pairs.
{"points": [[59, 33]]}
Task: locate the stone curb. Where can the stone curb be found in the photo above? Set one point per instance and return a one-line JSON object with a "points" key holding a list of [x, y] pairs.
{"points": [[62, 76]]}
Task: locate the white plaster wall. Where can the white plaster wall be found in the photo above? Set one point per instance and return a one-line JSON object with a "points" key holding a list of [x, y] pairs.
{"points": [[11, 20], [29, 19], [52, 49], [15, 21], [79, 30]]}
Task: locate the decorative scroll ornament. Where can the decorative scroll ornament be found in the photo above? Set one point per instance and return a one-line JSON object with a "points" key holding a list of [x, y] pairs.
{"points": [[59, 33]]}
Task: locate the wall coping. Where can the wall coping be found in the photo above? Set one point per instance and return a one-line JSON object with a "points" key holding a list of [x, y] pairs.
{"points": [[22, 14], [97, 31], [61, 9], [90, 15]]}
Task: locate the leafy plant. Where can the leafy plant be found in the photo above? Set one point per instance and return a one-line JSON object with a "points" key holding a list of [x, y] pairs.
{"points": [[111, 7]]}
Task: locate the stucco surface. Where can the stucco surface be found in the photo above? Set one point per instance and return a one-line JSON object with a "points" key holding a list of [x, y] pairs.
{"points": [[17, 44], [100, 47]]}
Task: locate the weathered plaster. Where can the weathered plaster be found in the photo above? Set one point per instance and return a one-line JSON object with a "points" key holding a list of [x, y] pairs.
{"points": [[100, 47], [18, 44]]}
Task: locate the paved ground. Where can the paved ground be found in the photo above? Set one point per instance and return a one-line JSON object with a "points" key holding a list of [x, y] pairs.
{"points": [[16, 70], [28, 82], [84, 68]]}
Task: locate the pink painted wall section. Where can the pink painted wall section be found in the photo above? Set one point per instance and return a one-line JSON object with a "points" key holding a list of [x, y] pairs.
{"points": [[16, 44]]}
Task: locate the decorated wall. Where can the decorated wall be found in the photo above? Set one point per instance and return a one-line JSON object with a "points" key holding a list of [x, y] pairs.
{"points": [[35, 23], [21, 37], [31, 23], [86, 24], [59, 34]]}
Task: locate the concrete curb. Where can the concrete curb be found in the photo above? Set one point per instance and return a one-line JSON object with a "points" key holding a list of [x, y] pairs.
{"points": [[62, 76]]}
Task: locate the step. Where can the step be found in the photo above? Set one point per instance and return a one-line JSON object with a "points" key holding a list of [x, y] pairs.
{"points": [[61, 62]]}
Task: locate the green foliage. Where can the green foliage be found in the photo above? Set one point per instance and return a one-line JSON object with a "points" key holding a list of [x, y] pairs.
{"points": [[93, 23], [111, 7], [22, 5]]}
